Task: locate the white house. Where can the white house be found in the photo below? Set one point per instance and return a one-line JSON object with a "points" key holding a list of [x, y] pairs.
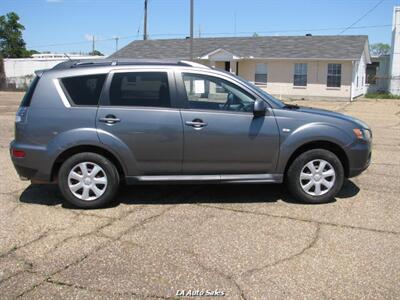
{"points": [[331, 67]]}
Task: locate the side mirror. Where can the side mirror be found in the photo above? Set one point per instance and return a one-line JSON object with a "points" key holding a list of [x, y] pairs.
{"points": [[260, 108]]}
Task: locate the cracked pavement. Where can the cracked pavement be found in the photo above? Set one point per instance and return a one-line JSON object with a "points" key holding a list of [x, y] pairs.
{"points": [[249, 241]]}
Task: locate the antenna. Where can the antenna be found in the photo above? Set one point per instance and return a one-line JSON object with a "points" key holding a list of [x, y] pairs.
{"points": [[69, 58]]}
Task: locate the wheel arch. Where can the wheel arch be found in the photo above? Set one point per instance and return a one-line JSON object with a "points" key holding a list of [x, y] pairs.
{"points": [[327, 145], [63, 156]]}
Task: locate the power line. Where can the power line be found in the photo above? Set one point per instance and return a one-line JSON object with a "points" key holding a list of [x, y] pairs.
{"points": [[363, 16], [210, 34], [300, 30], [140, 22]]}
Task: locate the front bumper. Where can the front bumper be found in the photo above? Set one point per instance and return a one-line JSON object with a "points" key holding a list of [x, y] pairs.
{"points": [[359, 155]]}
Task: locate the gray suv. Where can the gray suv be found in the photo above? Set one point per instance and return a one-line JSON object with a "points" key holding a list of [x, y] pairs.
{"points": [[91, 125]]}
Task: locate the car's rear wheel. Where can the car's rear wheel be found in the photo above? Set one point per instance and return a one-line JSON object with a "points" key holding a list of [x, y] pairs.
{"points": [[315, 176], [88, 180]]}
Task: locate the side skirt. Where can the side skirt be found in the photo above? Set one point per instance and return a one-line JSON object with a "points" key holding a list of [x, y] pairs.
{"points": [[198, 179]]}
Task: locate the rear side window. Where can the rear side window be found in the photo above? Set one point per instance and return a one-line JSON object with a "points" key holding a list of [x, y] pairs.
{"points": [[84, 90], [140, 89], [26, 101]]}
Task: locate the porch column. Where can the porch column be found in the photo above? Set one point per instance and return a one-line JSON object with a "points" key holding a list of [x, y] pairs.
{"points": [[233, 66]]}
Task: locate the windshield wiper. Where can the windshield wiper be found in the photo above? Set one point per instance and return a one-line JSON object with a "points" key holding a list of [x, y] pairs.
{"points": [[291, 106]]}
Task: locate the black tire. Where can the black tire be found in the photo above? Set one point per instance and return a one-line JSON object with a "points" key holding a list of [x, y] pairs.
{"points": [[294, 171], [110, 171]]}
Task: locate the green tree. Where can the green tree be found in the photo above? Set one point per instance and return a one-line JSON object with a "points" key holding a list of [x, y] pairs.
{"points": [[379, 49], [30, 52], [96, 52], [11, 42]]}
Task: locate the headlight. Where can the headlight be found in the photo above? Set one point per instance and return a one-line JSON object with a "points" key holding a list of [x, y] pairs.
{"points": [[364, 134], [367, 134]]}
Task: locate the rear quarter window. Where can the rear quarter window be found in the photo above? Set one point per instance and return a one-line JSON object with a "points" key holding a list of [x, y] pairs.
{"points": [[26, 101], [84, 90]]}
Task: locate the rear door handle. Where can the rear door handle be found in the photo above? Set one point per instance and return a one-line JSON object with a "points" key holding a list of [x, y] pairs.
{"points": [[110, 119], [196, 123]]}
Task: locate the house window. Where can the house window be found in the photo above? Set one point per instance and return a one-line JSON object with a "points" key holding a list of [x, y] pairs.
{"points": [[334, 75], [261, 75], [300, 75]]}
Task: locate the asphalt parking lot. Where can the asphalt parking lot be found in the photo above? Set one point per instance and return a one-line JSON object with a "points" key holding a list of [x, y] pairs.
{"points": [[245, 241]]}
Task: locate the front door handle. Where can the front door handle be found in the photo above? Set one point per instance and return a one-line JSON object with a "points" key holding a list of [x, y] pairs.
{"points": [[196, 123], [110, 119]]}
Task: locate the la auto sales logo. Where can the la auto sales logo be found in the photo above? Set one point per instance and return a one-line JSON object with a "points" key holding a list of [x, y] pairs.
{"points": [[200, 293]]}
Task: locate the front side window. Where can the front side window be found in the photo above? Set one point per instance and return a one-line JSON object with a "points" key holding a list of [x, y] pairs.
{"points": [[140, 89], [84, 90], [261, 76], [300, 75], [334, 75], [213, 93]]}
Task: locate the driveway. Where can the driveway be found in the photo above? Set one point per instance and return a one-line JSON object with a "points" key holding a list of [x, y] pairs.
{"points": [[242, 241]]}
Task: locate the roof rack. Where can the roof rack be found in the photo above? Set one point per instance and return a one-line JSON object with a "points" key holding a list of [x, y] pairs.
{"points": [[125, 62], [192, 64]]}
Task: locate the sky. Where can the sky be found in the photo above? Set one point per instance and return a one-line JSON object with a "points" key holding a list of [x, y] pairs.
{"points": [[66, 26]]}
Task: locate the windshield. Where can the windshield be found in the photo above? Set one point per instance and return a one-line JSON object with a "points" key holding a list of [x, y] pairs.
{"points": [[263, 93]]}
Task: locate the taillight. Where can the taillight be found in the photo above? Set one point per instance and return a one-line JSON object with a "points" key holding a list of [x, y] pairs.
{"points": [[18, 153], [21, 114]]}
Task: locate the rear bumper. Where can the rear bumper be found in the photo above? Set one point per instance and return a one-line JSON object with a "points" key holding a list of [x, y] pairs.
{"points": [[359, 155], [35, 165]]}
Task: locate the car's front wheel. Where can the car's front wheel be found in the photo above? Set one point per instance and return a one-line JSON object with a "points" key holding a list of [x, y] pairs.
{"points": [[315, 176], [88, 180]]}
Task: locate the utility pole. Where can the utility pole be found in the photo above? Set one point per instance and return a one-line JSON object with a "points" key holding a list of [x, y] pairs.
{"points": [[116, 43], [191, 28], [145, 21], [93, 46]]}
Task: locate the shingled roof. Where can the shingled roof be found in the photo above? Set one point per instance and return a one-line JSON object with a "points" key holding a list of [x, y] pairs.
{"points": [[346, 47]]}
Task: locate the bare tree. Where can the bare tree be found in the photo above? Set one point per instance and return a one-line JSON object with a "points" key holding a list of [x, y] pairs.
{"points": [[379, 49]]}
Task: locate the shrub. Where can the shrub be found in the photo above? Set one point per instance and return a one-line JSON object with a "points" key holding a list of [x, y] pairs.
{"points": [[384, 95]]}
